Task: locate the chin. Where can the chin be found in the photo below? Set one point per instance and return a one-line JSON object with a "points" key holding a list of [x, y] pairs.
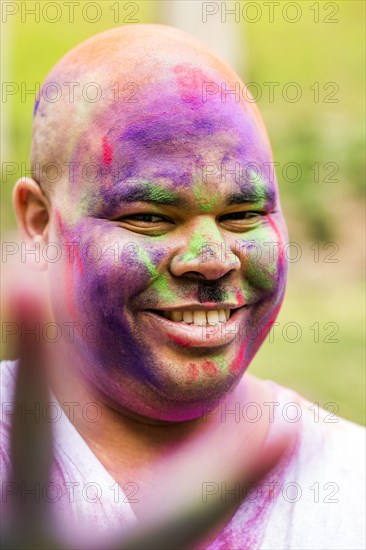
{"points": [[189, 389]]}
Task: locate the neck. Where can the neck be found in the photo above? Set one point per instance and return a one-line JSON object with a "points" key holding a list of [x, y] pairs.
{"points": [[134, 448]]}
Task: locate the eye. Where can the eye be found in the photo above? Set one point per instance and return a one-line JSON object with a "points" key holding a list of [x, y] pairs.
{"points": [[144, 218], [147, 222], [244, 218]]}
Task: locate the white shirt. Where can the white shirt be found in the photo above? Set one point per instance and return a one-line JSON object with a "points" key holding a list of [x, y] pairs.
{"points": [[313, 499]]}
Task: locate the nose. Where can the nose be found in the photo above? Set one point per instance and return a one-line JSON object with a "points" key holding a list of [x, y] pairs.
{"points": [[204, 255]]}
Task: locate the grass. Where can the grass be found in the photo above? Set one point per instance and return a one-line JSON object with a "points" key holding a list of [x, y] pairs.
{"points": [[304, 132], [326, 364]]}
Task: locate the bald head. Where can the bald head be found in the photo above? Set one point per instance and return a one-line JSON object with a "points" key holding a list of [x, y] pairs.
{"points": [[156, 163], [147, 85]]}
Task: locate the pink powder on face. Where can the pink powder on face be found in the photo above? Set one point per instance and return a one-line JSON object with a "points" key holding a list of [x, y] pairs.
{"points": [[192, 372], [274, 315], [239, 298], [79, 261], [107, 151], [76, 250], [68, 270], [60, 224], [238, 362], [209, 368], [189, 80], [179, 341]]}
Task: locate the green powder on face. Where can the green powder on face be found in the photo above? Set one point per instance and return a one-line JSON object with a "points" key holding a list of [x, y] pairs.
{"points": [[203, 202], [261, 278], [159, 281], [221, 362], [201, 237], [260, 187], [195, 247], [262, 270], [158, 192]]}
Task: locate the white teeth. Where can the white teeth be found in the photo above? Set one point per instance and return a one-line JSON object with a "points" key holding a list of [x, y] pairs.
{"points": [[198, 317], [222, 316], [212, 317], [188, 316], [177, 316]]}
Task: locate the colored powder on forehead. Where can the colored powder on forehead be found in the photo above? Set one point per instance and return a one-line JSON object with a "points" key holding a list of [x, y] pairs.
{"points": [[162, 123], [203, 202], [179, 176], [190, 81], [159, 131], [157, 192]]}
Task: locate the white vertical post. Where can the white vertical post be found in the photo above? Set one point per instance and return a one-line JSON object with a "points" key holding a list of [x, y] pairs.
{"points": [[218, 24]]}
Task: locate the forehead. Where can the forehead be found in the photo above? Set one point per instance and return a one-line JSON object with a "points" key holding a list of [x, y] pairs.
{"points": [[171, 135]]}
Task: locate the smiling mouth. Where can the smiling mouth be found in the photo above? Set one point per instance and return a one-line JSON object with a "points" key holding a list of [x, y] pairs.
{"points": [[197, 317], [191, 327]]}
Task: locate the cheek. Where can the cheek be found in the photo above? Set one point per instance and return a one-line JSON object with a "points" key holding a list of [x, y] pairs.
{"points": [[103, 268], [264, 258], [114, 270]]}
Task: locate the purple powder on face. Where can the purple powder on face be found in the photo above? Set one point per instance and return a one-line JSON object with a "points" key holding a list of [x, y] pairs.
{"points": [[36, 104]]}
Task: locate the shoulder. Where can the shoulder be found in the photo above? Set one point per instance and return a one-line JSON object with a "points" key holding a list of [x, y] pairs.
{"points": [[7, 387], [315, 422], [7, 378], [323, 489], [325, 441], [336, 439], [8, 409]]}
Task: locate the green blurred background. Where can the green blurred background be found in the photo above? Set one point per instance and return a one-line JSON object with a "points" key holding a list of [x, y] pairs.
{"points": [[318, 346]]}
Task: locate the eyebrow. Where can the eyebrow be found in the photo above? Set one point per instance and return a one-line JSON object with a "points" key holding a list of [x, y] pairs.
{"points": [[154, 194], [161, 196], [249, 196]]}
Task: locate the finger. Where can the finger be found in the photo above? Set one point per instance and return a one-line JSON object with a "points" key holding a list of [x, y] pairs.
{"points": [[31, 438], [177, 515]]}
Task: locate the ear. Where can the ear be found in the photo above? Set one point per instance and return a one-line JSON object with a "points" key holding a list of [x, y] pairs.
{"points": [[32, 209]]}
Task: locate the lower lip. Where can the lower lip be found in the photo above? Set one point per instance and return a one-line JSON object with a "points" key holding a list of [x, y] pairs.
{"points": [[197, 336]]}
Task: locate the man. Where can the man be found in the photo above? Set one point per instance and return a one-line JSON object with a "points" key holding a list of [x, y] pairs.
{"points": [[154, 182]]}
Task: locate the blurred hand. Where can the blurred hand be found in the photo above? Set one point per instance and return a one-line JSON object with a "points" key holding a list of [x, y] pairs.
{"points": [[174, 514]]}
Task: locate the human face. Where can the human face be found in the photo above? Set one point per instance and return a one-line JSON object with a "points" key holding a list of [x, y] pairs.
{"points": [[176, 177]]}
